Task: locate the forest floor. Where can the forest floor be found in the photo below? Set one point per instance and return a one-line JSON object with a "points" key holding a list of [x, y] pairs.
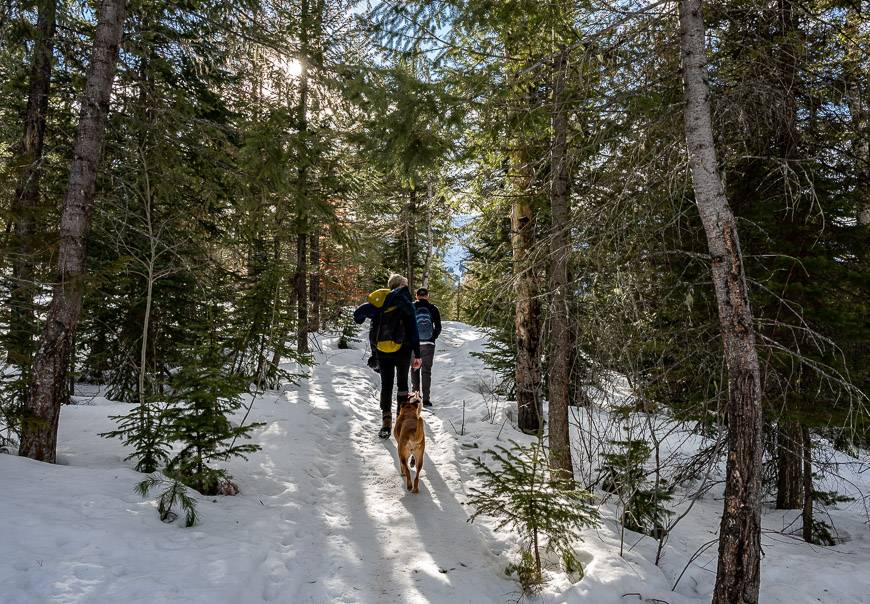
{"points": [[323, 517]]}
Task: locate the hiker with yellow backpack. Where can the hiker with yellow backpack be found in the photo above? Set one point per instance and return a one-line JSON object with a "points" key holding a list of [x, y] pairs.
{"points": [[394, 339]]}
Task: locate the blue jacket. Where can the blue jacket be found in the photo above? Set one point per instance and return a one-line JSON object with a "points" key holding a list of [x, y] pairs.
{"points": [[384, 298]]}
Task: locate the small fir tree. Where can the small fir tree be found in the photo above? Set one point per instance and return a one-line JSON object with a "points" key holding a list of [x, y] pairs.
{"points": [[204, 394], [643, 502], [349, 330], [144, 429], [521, 494]]}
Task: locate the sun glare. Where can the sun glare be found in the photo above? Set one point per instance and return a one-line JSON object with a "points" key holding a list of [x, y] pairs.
{"points": [[294, 68]]}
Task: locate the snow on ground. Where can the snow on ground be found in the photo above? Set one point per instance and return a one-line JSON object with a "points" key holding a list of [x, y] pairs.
{"points": [[323, 517]]}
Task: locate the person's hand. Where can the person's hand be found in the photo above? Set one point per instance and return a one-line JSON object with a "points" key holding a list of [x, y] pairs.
{"points": [[418, 362]]}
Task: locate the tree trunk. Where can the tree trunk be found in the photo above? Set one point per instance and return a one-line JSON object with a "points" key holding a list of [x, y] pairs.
{"points": [[789, 475], [315, 51], [560, 249], [527, 317], [430, 244], [26, 201], [411, 238], [859, 112], [520, 176], [738, 575], [51, 363], [302, 202], [314, 285], [299, 285], [808, 485]]}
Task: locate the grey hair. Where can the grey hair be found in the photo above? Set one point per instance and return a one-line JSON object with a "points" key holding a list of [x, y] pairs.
{"points": [[397, 280]]}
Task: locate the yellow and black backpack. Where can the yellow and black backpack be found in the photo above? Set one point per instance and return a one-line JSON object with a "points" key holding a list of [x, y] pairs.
{"points": [[391, 323]]}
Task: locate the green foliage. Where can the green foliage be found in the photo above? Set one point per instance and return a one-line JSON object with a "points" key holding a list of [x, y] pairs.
{"points": [[521, 495], [822, 532], [174, 494], [203, 397], [145, 430], [830, 497], [349, 330], [643, 502]]}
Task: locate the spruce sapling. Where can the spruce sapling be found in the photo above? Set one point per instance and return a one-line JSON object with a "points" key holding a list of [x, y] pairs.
{"points": [[144, 428], [204, 395], [624, 475], [521, 494]]}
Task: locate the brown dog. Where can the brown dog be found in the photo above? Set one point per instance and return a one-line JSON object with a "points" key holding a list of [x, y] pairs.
{"points": [[410, 439]]}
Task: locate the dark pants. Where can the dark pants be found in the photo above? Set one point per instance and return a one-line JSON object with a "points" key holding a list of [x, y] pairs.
{"points": [[427, 353], [394, 365]]}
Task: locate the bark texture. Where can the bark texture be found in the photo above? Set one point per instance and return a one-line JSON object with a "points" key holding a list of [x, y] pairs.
{"points": [[807, 513], [738, 573], [527, 318], [300, 284], [560, 327], [859, 110], [411, 239], [789, 466], [25, 204], [430, 243], [49, 387], [520, 178], [314, 282]]}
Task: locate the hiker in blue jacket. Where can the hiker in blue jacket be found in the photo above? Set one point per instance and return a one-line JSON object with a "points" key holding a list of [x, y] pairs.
{"points": [[429, 328], [395, 338]]}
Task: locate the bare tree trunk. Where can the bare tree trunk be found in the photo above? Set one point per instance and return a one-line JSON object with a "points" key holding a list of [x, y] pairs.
{"points": [[150, 277], [316, 52], [430, 244], [314, 285], [300, 284], [789, 474], [808, 485], [738, 576], [527, 318], [26, 201], [560, 249], [411, 238], [49, 387], [859, 110]]}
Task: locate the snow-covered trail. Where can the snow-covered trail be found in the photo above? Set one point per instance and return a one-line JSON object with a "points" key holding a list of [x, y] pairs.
{"points": [[323, 515], [347, 502]]}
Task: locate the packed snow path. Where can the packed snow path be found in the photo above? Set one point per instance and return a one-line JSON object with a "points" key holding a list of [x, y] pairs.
{"points": [[323, 515]]}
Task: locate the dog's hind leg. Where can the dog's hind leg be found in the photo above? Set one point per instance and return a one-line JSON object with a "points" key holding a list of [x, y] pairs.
{"points": [[418, 457], [403, 467]]}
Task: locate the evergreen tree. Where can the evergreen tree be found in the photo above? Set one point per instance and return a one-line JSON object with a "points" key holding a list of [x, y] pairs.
{"points": [[521, 494], [643, 503]]}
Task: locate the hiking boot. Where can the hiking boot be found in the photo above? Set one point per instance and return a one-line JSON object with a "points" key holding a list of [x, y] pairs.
{"points": [[386, 426], [427, 403]]}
